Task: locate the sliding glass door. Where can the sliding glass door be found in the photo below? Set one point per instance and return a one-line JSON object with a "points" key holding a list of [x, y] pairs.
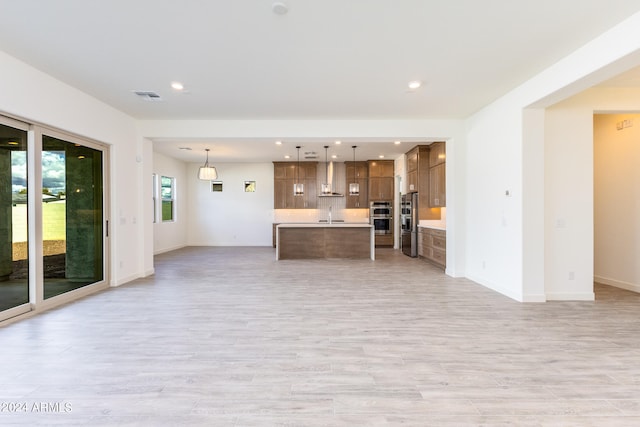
{"points": [[14, 254], [53, 221], [72, 215]]}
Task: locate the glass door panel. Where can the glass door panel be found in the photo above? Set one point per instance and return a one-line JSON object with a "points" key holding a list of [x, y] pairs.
{"points": [[72, 216], [14, 254]]}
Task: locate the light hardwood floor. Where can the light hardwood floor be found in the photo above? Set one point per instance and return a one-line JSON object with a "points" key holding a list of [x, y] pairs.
{"points": [[229, 336]]}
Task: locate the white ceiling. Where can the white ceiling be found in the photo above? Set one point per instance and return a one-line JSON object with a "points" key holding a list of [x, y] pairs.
{"points": [[324, 59]]}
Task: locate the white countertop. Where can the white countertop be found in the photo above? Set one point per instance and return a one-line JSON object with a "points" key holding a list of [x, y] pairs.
{"points": [[434, 226], [325, 225]]}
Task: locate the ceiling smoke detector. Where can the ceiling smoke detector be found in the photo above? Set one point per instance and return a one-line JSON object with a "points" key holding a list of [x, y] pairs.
{"points": [[280, 8], [148, 95]]}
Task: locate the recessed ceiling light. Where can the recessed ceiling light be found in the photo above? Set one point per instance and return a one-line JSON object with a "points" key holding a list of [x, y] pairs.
{"points": [[12, 142], [287, 156], [334, 156], [177, 86], [338, 142], [278, 142], [415, 84], [381, 156], [396, 142]]}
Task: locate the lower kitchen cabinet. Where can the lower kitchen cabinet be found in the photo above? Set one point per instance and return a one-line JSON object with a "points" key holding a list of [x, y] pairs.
{"points": [[384, 240], [275, 225], [432, 245]]}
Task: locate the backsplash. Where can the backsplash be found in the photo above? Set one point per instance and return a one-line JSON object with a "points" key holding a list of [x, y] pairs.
{"points": [[315, 215]]}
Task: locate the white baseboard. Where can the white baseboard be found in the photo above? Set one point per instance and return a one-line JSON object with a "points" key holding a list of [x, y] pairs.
{"points": [[498, 289], [534, 298], [617, 283], [123, 280], [582, 296], [174, 248]]}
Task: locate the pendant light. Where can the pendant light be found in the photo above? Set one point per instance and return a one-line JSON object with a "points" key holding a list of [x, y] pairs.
{"points": [[298, 187], [354, 187], [206, 172], [326, 187]]}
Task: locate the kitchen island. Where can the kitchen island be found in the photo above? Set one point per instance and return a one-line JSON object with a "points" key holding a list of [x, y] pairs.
{"points": [[325, 240]]}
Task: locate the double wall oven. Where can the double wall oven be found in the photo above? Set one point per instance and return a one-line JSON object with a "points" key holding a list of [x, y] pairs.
{"points": [[381, 216]]}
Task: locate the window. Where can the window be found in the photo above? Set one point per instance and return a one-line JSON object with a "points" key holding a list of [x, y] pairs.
{"points": [[167, 191]]}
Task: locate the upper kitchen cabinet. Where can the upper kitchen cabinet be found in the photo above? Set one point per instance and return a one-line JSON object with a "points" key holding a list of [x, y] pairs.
{"points": [[381, 179], [285, 175], [417, 169], [417, 180], [437, 154], [437, 186], [425, 168], [357, 172], [437, 173]]}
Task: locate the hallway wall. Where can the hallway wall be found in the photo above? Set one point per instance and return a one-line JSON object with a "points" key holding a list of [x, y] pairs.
{"points": [[617, 200]]}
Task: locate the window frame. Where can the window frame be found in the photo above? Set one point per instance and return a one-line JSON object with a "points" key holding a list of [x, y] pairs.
{"points": [[171, 198]]}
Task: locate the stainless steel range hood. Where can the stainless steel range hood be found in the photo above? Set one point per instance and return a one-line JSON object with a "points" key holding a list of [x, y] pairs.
{"points": [[330, 175]]}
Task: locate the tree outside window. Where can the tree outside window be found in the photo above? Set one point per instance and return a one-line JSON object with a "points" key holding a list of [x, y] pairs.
{"points": [[167, 192]]}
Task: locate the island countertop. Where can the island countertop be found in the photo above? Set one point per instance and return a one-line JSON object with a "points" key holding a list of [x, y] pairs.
{"points": [[324, 224], [325, 240]]}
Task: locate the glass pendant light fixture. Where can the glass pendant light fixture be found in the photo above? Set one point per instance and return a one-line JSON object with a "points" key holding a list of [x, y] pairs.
{"points": [[298, 187], [354, 187], [326, 187], [206, 172]]}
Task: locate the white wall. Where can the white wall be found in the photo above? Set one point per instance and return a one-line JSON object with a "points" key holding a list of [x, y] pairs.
{"points": [[494, 228], [171, 235], [231, 217], [617, 200], [569, 201], [34, 96], [503, 241]]}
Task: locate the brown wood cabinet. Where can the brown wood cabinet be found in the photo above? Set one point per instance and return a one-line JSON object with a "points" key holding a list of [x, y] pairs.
{"points": [[437, 175], [381, 180], [384, 240], [417, 180], [437, 154], [411, 165], [285, 175], [360, 172], [432, 245], [437, 186], [380, 168], [274, 229]]}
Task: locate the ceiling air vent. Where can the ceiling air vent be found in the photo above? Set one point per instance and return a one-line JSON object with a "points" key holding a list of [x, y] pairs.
{"points": [[310, 155], [148, 95]]}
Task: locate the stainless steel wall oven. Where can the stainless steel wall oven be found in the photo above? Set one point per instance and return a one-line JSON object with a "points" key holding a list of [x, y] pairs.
{"points": [[381, 217]]}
